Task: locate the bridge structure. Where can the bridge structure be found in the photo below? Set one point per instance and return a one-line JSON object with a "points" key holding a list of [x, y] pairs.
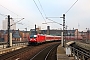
{"points": [[79, 50]]}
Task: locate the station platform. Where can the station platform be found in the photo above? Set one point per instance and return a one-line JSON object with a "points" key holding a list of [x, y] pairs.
{"points": [[5, 50], [61, 54]]}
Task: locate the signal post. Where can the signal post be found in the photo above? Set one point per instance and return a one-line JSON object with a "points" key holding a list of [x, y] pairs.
{"points": [[63, 31]]}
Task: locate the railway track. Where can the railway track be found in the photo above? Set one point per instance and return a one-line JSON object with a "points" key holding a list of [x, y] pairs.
{"points": [[44, 54], [26, 53], [15, 54]]}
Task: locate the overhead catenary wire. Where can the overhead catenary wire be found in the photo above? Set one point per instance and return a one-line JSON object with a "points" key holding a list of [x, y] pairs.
{"points": [[17, 21], [71, 7], [3, 15], [42, 8], [53, 21], [8, 9], [39, 11]]}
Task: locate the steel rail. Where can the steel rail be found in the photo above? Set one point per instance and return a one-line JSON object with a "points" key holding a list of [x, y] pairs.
{"points": [[39, 53], [49, 52], [16, 53], [49, 49]]}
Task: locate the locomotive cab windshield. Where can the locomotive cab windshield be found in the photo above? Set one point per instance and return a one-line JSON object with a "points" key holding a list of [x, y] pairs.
{"points": [[33, 36]]}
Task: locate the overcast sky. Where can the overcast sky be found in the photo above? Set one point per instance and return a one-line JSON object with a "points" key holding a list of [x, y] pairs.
{"points": [[77, 17]]}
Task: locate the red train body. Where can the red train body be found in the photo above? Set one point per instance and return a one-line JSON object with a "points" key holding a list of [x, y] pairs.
{"points": [[39, 38]]}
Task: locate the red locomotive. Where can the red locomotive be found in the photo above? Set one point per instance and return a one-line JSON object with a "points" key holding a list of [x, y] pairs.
{"points": [[40, 38]]}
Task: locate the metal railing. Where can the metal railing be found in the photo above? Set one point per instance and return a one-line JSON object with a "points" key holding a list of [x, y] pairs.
{"points": [[80, 53]]}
